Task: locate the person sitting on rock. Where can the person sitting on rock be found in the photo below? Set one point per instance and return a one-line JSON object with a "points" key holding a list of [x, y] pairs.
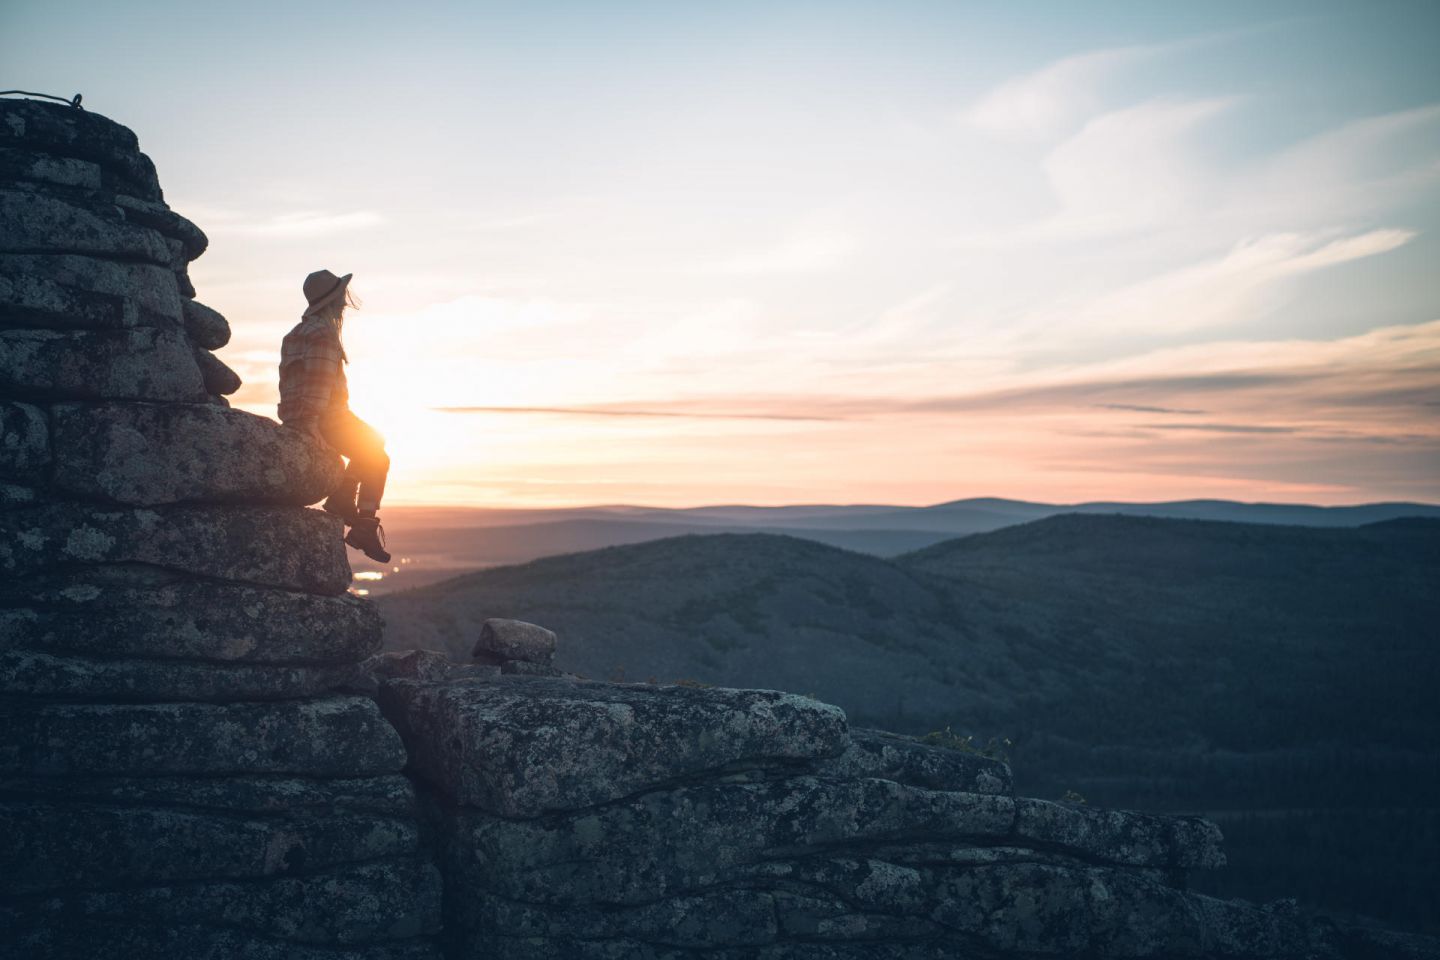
{"points": [[315, 400]]}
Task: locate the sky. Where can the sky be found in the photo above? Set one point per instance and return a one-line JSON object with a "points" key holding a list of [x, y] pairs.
{"points": [[902, 252]]}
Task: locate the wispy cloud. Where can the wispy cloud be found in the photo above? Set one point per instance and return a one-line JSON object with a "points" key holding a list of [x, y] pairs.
{"points": [[1141, 408], [1044, 102], [298, 223], [621, 411]]}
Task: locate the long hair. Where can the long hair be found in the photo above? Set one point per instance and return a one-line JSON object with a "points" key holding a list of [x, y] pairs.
{"points": [[333, 313]]}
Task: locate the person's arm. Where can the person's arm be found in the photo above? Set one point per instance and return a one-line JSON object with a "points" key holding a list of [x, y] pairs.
{"points": [[319, 368]]}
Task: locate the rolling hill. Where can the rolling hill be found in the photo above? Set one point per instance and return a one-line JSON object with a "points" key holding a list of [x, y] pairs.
{"points": [[441, 542], [1279, 678]]}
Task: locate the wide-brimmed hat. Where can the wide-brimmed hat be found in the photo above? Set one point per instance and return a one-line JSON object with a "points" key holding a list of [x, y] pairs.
{"points": [[322, 287]]}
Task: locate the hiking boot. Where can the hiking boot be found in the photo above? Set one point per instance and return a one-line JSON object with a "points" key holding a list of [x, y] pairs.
{"points": [[367, 536]]}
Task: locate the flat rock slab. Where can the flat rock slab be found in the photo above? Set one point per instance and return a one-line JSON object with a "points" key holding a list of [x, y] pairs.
{"points": [[32, 221], [330, 737], [72, 292], [27, 674], [147, 454], [389, 795], [288, 547], [146, 363], [1119, 836], [144, 612], [502, 640], [522, 747], [689, 838], [24, 442], [74, 939], [351, 905], [55, 846], [875, 753]]}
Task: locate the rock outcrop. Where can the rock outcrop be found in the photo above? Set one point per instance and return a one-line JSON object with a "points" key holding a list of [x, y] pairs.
{"points": [[205, 757], [181, 774]]}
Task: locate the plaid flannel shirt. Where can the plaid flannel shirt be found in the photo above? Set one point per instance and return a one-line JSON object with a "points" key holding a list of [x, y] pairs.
{"points": [[312, 372]]}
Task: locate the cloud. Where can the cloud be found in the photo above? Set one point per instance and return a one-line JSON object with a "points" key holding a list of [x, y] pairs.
{"points": [[1218, 427], [1043, 103], [1141, 408], [1129, 169], [606, 410], [300, 223], [811, 252], [1238, 287]]}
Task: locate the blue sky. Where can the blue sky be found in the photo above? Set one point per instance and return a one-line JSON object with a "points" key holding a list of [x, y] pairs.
{"points": [[792, 252]]}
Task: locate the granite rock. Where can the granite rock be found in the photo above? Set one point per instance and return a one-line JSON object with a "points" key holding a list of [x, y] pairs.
{"points": [[61, 130], [671, 841], [56, 846], [288, 547], [148, 454], [66, 291], [206, 327], [24, 673], [387, 795], [219, 379], [393, 899], [1118, 836], [876, 753], [146, 363], [334, 736], [524, 747], [148, 613], [36, 221], [502, 640], [24, 442]]}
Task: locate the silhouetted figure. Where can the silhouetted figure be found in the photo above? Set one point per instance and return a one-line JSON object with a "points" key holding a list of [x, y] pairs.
{"points": [[314, 398]]}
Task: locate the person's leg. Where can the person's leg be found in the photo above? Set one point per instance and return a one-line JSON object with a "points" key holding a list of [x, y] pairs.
{"points": [[369, 463]]}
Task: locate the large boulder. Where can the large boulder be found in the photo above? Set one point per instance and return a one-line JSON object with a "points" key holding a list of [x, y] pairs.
{"points": [[523, 746], [146, 454], [146, 363], [67, 291], [502, 640], [219, 379], [206, 327], [149, 613], [335, 736], [288, 547]]}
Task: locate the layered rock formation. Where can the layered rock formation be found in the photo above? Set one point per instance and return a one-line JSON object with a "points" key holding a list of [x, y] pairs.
{"points": [[598, 820], [195, 762], [179, 776]]}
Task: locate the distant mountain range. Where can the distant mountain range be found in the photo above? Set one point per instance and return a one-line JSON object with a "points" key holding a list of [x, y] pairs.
{"points": [[440, 542], [1280, 678]]}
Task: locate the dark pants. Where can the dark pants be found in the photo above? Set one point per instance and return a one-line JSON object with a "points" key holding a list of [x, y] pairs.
{"points": [[364, 448]]}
